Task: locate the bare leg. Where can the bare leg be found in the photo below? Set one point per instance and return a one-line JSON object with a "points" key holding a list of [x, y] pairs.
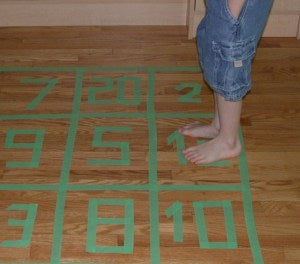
{"points": [[202, 130], [211, 131], [227, 143]]}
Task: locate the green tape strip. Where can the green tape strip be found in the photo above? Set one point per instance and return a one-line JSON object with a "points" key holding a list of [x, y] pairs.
{"points": [[202, 228], [64, 178], [184, 115], [34, 117], [248, 209], [35, 146], [84, 69], [29, 187], [153, 192], [27, 224], [92, 187], [201, 187], [114, 115], [94, 221]]}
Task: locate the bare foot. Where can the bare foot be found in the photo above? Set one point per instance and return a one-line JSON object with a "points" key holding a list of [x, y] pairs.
{"points": [[214, 150], [197, 129]]}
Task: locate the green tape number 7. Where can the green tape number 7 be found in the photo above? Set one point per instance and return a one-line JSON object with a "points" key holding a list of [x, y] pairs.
{"points": [[50, 84], [124, 146]]}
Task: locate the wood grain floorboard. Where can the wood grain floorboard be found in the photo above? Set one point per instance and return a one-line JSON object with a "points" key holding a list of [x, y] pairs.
{"points": [[271, 129]]}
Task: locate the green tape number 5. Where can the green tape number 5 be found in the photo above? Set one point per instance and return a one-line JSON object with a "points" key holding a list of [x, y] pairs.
{"points": [[124, 146], [35, 146]]}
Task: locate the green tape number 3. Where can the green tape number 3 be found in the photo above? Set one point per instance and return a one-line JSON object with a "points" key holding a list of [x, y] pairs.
{"points": [[27, 224]]}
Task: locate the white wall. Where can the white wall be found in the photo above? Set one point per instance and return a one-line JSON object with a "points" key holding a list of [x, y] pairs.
{"points": [[92, 12]]}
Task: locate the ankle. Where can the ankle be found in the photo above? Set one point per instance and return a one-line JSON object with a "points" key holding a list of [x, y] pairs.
{"points": [[230, 140], [216, 124]]}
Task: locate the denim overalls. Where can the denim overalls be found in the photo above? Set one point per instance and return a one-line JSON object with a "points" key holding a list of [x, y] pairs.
{"points": [[227, 45]]}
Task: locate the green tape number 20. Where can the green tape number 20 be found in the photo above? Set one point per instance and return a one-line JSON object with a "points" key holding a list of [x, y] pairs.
{"points": [[108, 86]]}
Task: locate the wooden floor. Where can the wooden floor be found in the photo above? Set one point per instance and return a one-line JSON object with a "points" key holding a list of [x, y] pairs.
{"points": [[100, 178]]}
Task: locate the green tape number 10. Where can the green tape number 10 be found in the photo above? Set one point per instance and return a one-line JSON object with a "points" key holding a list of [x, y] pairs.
{"points": [[176, 212]]}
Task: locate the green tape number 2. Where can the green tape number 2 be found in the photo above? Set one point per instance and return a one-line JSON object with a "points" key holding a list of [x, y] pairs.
{"points": [[189, 97], [35, 146], [124, 146]]}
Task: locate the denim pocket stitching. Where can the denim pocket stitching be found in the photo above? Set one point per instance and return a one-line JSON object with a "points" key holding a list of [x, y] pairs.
{"points": [[234, 51], [246, 56]]}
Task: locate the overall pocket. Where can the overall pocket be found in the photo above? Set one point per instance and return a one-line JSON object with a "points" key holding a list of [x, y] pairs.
{"points": [[232, 65]]}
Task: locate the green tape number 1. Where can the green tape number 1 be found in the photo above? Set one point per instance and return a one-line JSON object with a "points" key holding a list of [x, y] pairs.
{"points": [[124, 146], [178, 138], [176, 211], [35, 146], [180, 144]]}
